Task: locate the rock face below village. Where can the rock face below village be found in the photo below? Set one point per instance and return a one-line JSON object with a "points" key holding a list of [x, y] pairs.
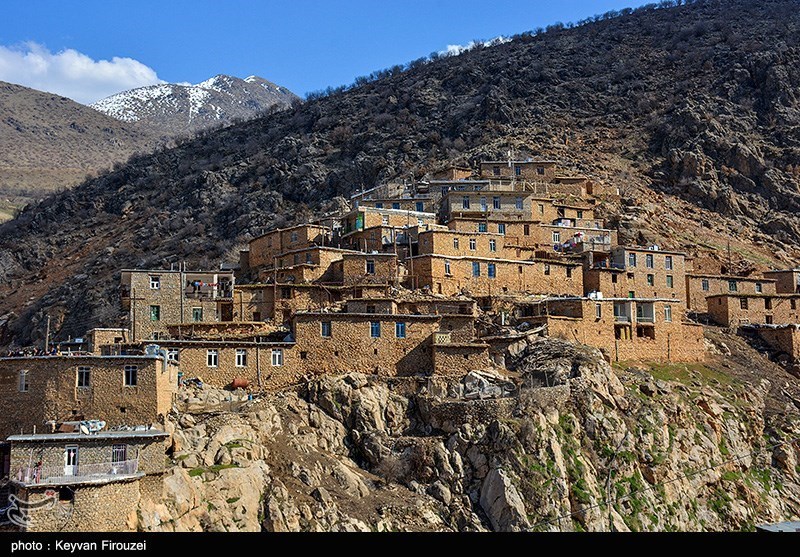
{"points": [[362, 453]]}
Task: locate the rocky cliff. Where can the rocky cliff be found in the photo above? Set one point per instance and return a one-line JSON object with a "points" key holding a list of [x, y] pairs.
{"points": [[671, 448]]}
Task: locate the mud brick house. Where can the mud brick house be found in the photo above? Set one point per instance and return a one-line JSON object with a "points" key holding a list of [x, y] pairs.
{"points": [[637, 272], [787, 281], [156, 298], [120, 390], [83, 482], [482, 276], [623, 329], [733, 310], [700, 286]]}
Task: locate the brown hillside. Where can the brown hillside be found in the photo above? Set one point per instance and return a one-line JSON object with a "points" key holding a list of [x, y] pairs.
{"points": [[692, 111]]}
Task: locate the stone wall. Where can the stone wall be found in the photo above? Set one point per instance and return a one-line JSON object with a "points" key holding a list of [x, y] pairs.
{"points": [[105, 337], [460, 358], [720, 284], [787, 280], [354, 269], [265, 248], [53, 393], [538, 171], [785, 339], [352, 348], [732, 310], [108, 507], [537, 277]]}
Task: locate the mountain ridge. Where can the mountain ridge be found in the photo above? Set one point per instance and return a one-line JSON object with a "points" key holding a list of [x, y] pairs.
{"points": [[173, 109]]}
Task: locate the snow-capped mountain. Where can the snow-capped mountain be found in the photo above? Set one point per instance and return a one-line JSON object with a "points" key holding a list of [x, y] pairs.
{"points": [[177, 109]]}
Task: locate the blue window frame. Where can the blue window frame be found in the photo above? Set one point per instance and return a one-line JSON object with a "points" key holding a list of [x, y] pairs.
{"points": [[400, 329], [375, 329]]}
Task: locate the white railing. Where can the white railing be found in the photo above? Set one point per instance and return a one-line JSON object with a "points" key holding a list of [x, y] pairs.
{"points": [[622, 318], [64, 474], [645, 319]]}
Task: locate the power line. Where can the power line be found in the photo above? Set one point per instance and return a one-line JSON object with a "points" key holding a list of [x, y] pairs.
{"points": [[668, 482]]}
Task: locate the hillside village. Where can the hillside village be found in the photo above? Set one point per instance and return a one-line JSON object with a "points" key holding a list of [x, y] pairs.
{"points": [[437, 277]]}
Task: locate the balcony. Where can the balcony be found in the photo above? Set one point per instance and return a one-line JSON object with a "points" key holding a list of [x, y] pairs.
{"points": [[622, 319], [645, 319], [80, 473], [208, 294]]}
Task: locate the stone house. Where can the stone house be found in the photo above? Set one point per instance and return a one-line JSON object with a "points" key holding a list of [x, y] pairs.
{"points": [[416, 203], [787, 281], [783, 338], [528, 170], [732, 310], [508, 205], [450, 275], [265, 248], [700, 286], [78, 482], [623, 329], [369, 217], [120, 390], [637, 272], [156, 298]]}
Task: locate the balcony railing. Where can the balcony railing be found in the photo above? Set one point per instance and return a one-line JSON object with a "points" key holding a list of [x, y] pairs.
{"points": [[208, 294], [645, 319], [79, 473], [622, 319]]}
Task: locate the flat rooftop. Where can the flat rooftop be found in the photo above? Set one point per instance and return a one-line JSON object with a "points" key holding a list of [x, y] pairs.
{"points": [[101, 435]]}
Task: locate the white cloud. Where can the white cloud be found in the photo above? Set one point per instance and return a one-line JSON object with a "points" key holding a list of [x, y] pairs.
{"points": [[456, 49], [70, 73]]}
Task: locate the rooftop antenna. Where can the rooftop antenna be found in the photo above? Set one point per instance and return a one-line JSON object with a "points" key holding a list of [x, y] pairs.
{"points": [[730, 268]]}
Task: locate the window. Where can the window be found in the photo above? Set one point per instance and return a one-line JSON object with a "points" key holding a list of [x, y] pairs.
{"points": [[631, 260], [447, 268], [492, 245], [308, 258], [648, 261], [546, 268], [370, 264], [400, 329], [375, 329], [286, 292], [569, 272], [541, 208], [119, 454], [483, 204], [476, 269], [212, 358], [294, 236], [501, 228], [556, 237], [631, 294], [496, 202], [173, 355], [277, 357], [420, 206], [793, 303], [325, 329], [768, 319], [371, 308], [384, 220], [759, 288], [670, 281], [482, 227], [518, 171], [580, 213], [84, 376], [496, 170], [303, 355], [131, 376], [472, 244], [518, 203], [733, 286], [155, 313], [197, 314], [540, 170], [526, 229], [395, 205], [650, 280], [491, 270], [379, 205], [767, 303], [465, 202], [704, 285], [668, 314], [668, 262], [455, 243], [23, 381], [598, 311], [155, 282], [614, 278], [743, 303], [241, 357], [519, 269], [296, 258]]}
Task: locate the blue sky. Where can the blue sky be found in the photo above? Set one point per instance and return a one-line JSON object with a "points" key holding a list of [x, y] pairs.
{"points": [[302, 44]]}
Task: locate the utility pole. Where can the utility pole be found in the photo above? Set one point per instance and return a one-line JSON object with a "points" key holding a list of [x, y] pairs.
{"points": [[47, 336]]}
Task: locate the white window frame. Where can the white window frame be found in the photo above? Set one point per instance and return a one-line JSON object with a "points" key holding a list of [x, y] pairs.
{"points": [[23, 381], [492, 245], [668, 314], [240, 357], [86, 373], [473, 243], [155, 282], [212, 357], [556, 237], [277, 357], [194, 309], [130, 376]]}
